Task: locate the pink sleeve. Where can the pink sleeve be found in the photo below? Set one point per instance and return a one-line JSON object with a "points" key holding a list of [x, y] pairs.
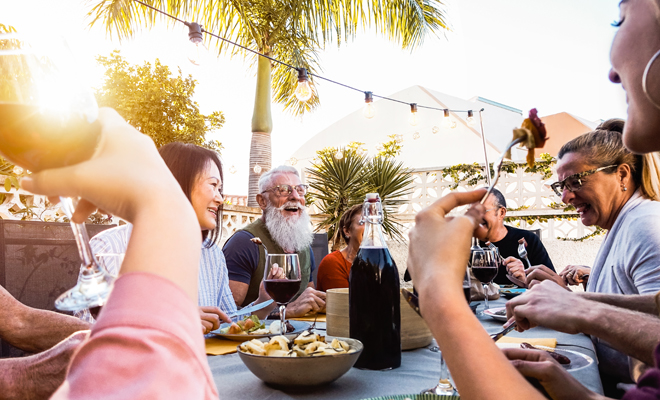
{"points": [[147, 343]]}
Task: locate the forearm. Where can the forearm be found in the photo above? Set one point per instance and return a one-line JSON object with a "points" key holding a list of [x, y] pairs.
{"points": [[642, 303], [37, 330], [631, 332], [34, 377], [477, 365]]}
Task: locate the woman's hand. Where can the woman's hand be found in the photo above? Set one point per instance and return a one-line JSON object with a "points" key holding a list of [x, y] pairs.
{"points": [[439, 245], [539, 273], [538, 364], [575, 274]]}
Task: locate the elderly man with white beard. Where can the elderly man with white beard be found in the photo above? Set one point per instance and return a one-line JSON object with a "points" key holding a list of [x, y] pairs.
{"points": [[284, 227]]}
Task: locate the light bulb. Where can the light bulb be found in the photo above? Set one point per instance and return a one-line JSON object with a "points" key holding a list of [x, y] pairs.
{"points": [[339, 155], [379, 147], [303, 90], [369, 109], [257, 169], [413, 114], [415, 135], [232, 170], [196, 51], [435, 129], [452, 124], [398, 138], [446, 120], [470, 118], [293, 161], [17, 170]]}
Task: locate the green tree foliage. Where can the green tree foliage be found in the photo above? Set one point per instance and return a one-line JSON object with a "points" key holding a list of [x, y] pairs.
{"points": [[156, 103], [338, 183]]}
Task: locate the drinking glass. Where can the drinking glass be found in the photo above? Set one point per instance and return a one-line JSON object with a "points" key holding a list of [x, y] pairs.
{"points": [[484, 268], [110, 262], [49, 120], [282, 281], [444, 386]]}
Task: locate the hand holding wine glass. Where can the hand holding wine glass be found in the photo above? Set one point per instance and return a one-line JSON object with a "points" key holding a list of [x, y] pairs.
{"points": [[282, 281]]}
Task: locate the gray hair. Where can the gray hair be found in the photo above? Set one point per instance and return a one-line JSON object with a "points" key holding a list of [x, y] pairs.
{"points": [[267, 177]]}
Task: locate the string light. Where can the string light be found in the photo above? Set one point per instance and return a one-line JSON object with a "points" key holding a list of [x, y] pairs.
{"points": [[303, 90], [399, 138], [17, 170], [470, 118], [435, 130], [293, 161], [339, 154], [379, 147], [257, 169], [232, 170], [197, 51], [416, 135], [369, 109], [413, 114]]}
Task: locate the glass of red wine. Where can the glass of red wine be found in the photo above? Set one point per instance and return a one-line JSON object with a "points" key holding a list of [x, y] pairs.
{"points": [[282, 281], [49, 120], [484, 268]]}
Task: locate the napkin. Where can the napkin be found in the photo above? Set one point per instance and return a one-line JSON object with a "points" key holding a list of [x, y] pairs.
{"points": [[508, 342], [310, 318], [217, 347]]}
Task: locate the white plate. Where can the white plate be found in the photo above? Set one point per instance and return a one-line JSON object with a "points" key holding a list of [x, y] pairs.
{"points": [[298, 326], [491, 313], [578, 360]]}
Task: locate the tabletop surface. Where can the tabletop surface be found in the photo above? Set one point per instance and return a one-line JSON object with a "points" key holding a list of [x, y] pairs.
{"points": [[419, 370]]}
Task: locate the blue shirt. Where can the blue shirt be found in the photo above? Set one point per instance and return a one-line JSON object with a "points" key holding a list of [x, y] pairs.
{"points": [[213, 279]]}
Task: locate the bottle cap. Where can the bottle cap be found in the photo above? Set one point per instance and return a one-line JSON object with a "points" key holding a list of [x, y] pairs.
{"points": [[372, 197]]}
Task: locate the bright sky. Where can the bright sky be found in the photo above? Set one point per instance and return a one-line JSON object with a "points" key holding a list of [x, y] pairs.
{"points": [[552, 55]]}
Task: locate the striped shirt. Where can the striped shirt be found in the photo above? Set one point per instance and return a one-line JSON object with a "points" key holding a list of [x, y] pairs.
{"points": [[213, 278]]}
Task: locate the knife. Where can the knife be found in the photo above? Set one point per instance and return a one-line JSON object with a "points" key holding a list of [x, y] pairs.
{"points": [[506, 330], [412, 299], [249, 310]]}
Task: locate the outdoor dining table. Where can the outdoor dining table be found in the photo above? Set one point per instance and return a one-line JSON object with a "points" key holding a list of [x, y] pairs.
{"points": [[420, 369]]}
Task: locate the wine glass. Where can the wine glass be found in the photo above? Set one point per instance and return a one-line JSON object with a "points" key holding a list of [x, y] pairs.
{"points": [[484, 268], [444, 386], [111, 262], [282, 281], [49, 120]]}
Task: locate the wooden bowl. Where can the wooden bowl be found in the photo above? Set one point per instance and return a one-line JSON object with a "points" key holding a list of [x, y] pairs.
{"points": [[414, 332]]}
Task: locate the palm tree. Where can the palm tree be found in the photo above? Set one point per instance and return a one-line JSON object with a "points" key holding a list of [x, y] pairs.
{"points": [[288, 30]]}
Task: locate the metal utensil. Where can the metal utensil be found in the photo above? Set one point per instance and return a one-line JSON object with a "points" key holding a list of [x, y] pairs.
{"points": [[498, 168], [251, 309], [522, 252], [506, 329]]}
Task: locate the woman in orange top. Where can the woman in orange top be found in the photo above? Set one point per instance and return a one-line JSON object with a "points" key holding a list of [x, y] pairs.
{"points": [[335, 267]]}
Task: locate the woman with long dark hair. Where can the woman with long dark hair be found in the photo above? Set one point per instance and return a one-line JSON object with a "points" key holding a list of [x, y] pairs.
{"points": [[199, 174]]}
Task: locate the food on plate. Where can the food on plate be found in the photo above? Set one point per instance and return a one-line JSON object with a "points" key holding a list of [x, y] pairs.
{"points": [[275, 327], [501, 312], [533, 133], [560, 358], [306, 344], [250, 325]]}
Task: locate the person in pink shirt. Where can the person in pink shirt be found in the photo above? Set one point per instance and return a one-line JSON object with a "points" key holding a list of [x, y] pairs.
{"points": [[147, 342]]}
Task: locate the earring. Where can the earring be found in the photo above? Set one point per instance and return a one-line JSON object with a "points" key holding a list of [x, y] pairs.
{"points": [[623, 188], [645, 78]]}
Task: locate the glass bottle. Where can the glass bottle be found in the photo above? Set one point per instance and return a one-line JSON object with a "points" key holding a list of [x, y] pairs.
{"points": [[374, 298]]}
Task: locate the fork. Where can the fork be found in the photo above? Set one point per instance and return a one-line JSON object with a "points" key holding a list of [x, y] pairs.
{"points": [[506, 329], [499, 167], [522, 252]]}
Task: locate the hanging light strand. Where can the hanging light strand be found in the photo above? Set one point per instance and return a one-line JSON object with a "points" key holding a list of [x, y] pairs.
{"points": [[299, 68]]}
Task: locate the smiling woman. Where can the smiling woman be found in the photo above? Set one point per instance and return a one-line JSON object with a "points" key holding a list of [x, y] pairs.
{"points": [[199, 174]]}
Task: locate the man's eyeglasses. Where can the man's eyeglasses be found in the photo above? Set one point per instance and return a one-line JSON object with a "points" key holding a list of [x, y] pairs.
{"points": [[285, 190], [574, 182]]}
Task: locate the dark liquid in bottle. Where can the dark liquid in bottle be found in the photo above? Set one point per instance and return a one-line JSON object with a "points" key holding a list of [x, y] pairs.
{"points": [[374, 308], [281, 290], [484, 274], [36, 141], [466, 293]]}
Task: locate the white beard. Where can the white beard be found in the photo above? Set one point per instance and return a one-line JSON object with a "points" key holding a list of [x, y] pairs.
{"points": [[292, 233]]}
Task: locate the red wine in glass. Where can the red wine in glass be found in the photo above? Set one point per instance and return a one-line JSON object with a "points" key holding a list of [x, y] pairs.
{"points": [[484, 268], [282, 290], [484, 274]]}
